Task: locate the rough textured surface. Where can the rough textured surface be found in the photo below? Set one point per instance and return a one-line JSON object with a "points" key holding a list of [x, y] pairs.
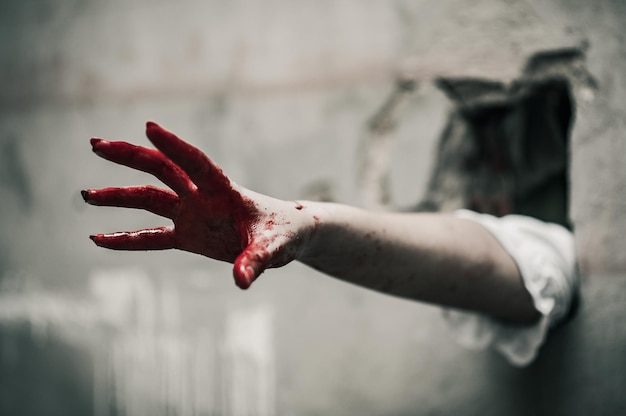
{"points": [[279, 94], [506, 147]]}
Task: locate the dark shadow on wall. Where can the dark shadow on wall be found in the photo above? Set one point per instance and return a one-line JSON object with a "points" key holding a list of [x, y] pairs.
{"points": [[41, 374], [580, 368]]}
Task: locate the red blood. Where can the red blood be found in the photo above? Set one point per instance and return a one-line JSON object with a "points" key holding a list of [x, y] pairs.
{"points": [[270, 222], [160, 238], [210, 215], [159, 201]]}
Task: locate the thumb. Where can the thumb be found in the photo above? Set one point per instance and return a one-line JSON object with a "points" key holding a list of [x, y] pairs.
{"points": [[249, 265]]}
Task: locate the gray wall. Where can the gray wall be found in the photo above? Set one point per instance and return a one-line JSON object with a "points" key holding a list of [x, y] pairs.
{"points": [[278, 93]]}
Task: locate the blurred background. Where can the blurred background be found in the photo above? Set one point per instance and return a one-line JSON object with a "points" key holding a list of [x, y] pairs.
{"points": [[282, 95]]}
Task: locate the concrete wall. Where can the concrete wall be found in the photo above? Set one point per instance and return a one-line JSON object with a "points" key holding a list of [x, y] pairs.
{"points": [[279, 94]]}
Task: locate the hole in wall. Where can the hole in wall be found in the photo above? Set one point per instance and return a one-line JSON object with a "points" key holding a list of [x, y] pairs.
{"points": [[504, 148]]}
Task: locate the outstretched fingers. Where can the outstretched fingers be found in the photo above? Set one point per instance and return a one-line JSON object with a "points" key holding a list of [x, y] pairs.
{"points": [[161, 238], [158, 201], [147, 160], [200, 168]]}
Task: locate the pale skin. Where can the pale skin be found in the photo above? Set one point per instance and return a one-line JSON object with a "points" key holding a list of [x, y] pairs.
{"points": [[435, 258]]}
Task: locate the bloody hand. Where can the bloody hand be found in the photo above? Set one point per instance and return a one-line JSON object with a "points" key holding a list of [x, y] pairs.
{"points": [[212, 215]]}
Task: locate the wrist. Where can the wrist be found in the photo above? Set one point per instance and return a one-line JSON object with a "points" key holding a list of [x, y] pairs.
{"points": [[309, 218], [324, 224]]}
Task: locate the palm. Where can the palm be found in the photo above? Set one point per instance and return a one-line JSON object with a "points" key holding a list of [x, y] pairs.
{"points": [[218, 235], [211, 215]]}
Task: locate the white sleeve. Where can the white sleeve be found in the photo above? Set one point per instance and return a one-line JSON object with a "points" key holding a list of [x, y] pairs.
{"points": [[545, 256]]}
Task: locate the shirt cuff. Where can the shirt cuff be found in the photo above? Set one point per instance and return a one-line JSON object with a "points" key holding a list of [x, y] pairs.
{"points": [[545, 256]]}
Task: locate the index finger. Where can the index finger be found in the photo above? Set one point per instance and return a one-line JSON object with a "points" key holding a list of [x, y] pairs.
{"points": [[148, 160], [198, 166]]}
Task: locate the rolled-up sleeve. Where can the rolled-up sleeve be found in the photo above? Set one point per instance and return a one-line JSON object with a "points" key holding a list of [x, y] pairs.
{"points": [[546, 258]]}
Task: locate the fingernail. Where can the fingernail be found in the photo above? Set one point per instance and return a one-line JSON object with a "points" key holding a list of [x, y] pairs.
{"points": [[85, 195], [96, 239], [94, 141], [244, 278], [97, 146]]}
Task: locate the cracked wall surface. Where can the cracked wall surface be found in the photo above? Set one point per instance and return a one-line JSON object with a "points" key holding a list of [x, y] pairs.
{"points": [[295, 99]]}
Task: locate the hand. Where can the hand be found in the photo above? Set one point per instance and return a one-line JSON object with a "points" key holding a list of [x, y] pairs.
{"points": [[212, 215]]}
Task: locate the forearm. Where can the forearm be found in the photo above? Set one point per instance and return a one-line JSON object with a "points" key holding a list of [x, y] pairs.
{"points": [[435, 258], [427, 257]]}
